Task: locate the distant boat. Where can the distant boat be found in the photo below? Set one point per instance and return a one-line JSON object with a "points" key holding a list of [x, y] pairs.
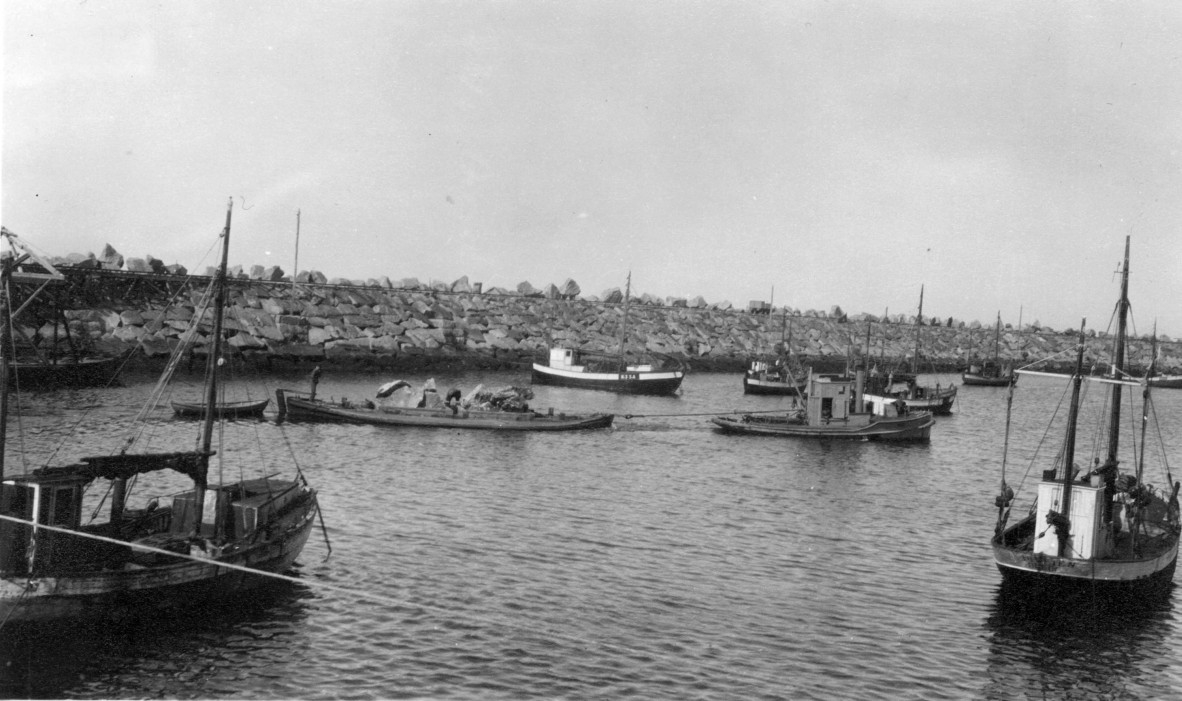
{"points": [[835, 409], [1166, 381], [938, 399], [490, 411], [989, 373], [1101, 528], [777, 375], [567, 367], [209, 544], [222, 410], [55, 373]]}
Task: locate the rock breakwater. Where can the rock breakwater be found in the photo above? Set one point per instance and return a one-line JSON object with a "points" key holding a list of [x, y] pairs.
{"points": [[147, 314]]}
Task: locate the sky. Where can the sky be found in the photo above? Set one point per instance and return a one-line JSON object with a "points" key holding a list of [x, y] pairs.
{"points": [[811, 154]]}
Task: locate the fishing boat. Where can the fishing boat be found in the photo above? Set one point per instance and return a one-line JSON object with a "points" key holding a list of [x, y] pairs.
{"points": [[569, 367], [1164, 381], [58, 372], [207, 545], [58, 362], [905, 386], [246, 408], [989, 373], [490, 411], [1101, 530], [836, 408], [778, 375]]}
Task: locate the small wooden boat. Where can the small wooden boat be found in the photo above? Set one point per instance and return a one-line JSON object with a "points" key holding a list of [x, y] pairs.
{"points": [[835, 409], [779, 375], [1103, 528], [1166, 381], [90, 371], [209, 544], [567, 367], [989, 373], [223, 410], [764, 379], [300, 405], [985, 375], [905, 386]]}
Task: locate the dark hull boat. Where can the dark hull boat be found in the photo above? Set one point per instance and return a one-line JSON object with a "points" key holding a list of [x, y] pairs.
{"points": [[778, 375], [1166, 381], [1107, 530], [63, 372], [989, 373], [207, 545], [984, 379], [296, 405], [905, 387], [567, 367], [835, 409], [222, 410], [937, 399], [776, 380]]}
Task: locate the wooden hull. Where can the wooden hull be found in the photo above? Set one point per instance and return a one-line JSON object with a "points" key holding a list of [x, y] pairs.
{"points": [[293, 406], [66, 372], [227, 410], [756, 385], [928, 399], [906, 428], [975, 380], [1166, 381], [1021, 567], [139, 591], [642, 382]]}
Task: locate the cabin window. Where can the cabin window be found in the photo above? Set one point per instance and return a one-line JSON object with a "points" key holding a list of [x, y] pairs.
{"points": [[64, 508]]}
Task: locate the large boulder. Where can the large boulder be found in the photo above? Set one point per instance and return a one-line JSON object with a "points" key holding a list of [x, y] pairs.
{"points": [[110, 258]]}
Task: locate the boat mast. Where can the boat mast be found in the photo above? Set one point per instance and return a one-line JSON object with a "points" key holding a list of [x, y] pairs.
{"points": [[215, 352], [624, 323], [1118, 366], [997, 342], [918, 327], [1063, 526]]}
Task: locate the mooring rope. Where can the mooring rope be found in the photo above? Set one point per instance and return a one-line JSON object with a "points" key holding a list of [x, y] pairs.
{"points": [[705, 413]]}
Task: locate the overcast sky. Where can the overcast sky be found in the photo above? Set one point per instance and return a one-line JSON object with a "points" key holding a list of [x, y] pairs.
{"points": [[995, 152]]}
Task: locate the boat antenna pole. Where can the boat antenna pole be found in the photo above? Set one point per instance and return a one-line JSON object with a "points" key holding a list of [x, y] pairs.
{"points": [[1062, 519], [918, 327], [296, 265], [215, 351], [624, 323]]}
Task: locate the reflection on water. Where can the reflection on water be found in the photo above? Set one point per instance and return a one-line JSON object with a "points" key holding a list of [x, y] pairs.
{"points": [[1085, 648], [87, 658]]}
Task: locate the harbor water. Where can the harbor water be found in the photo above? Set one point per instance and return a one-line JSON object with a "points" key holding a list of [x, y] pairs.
{"points": [[659, 559]]}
